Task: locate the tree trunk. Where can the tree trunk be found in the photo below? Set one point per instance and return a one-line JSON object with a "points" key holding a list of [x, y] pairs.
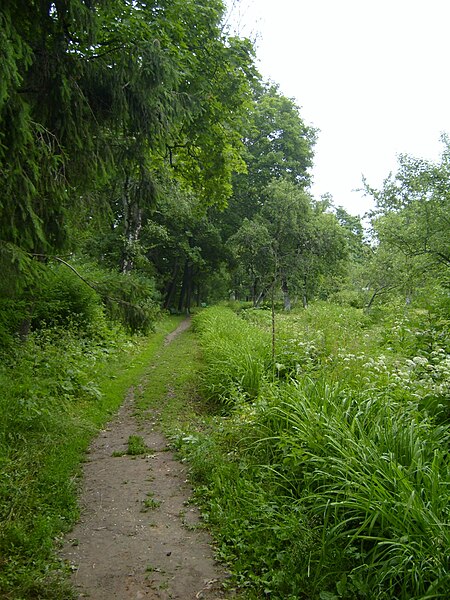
{"points": [[287, 299], [184, 300], [171, 287], [259, 299], [132, 217], [187, 304], [371, 301], [304, 294], [255, 293], [378, 292]]}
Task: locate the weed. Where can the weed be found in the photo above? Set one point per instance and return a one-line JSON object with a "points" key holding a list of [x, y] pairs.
{"points": [[330, 479], [136, 446], [236, 355], [153, 569], [150, 503]]}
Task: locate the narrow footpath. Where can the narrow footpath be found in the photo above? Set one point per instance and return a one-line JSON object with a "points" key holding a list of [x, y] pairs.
{"points": [[139, 537]]}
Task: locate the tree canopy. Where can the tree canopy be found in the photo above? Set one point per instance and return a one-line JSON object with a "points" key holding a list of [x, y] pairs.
{"points": [[140, 136], [95, 92]]}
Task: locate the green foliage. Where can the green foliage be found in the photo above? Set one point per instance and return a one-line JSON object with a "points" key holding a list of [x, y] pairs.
{"points": [[412, 209], [98, 104], [136, 445], [370, 469], [150, 503], [185, 249], [19, 273], [251, 247], [279, 144], [411, 224], [333, 481], [41, 437], [63, 299], [94, 292], [131, 299], [291, 243], [82, 297], [236, 355], [58, 389]]}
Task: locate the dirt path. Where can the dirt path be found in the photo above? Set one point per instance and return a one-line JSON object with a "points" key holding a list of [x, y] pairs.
{"points": [[138, 537]]}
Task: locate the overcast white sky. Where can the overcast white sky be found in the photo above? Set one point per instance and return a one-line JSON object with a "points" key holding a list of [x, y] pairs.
{"points": [[372, 75]]}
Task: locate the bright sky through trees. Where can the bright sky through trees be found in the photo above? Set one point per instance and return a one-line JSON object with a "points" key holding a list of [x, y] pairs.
{"points": [[371, 75]]}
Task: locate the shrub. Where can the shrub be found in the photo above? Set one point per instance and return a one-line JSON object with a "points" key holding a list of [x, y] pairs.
{"points": [[63, 299], [132, 298]]}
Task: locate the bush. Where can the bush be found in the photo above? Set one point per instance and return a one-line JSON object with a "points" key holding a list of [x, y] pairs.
{"points": [[13, 312], [132, 298], [347, 297], [63, 299], [58, 297]]}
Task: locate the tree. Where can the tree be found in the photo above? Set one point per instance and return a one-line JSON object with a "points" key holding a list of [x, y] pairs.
{"points": [[101, 103], [183, 248], [287, 213], [254, 267], [292, 243], [94, 93], [411, 229], [354, 231], [278, 145], [328, 253], [412, 210]]}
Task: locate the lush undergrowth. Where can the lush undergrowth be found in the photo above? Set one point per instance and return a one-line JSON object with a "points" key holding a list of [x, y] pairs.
{"points": [[58, 388], [325, 475]]}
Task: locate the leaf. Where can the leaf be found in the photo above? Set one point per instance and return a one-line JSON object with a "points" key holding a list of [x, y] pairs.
{"points": [[328, 596]]}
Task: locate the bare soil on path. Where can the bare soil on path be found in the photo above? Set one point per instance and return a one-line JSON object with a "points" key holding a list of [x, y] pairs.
{"points": [[139, 537]]}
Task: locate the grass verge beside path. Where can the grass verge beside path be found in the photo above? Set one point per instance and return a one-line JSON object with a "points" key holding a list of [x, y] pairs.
{"points": [[56, 394], [118, 378]]}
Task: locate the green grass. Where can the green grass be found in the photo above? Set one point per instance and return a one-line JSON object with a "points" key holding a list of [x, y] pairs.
{"points": [[375, 476], [136, 446], [323, 476], [57, 391], [173, 392], [236, 355], [332, 481]]}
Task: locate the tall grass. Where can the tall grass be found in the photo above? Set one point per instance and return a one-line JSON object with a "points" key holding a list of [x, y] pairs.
{"points": [[376, 474], [236, 355], [337, 458]]}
